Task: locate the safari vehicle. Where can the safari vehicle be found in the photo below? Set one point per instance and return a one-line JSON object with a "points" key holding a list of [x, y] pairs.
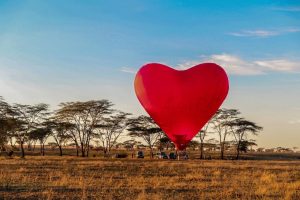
{"points": [[161, 155], [121, 155], [172, 156], [140, 154]]}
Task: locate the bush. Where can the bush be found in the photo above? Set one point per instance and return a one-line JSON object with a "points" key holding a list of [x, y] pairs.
{"points": [[121, 155]]}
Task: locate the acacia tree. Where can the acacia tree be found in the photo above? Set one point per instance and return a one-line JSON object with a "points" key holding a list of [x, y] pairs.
{"points": [[3, 133], [74, 136], [28, 118], [246, 144], [6, 122], [85, 116], [33, 140], [110, 129], [241, 128], [3, 123], [61, 133], [220, 123], [193, 144], [41, 134], [165, 142], [129, 144], [202, 135], [145, 128]]}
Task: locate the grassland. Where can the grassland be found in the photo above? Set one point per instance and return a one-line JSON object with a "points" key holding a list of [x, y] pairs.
{"points": [[69, 177]]}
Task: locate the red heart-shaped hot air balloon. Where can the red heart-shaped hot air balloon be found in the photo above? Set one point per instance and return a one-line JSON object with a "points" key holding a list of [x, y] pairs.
{"points": [[181, 101]]}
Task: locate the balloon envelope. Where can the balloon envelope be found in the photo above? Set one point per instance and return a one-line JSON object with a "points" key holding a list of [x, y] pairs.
{"points": [[181, 101]]}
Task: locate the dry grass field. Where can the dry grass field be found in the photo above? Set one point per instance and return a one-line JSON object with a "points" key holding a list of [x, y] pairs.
{"points": [[66, 177]]}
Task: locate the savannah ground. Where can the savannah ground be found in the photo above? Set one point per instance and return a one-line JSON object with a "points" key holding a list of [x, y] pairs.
{"points": [[69, 177]]}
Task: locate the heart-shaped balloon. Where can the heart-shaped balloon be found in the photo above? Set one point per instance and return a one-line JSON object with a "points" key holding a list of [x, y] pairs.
{"points": [[181, 101]]}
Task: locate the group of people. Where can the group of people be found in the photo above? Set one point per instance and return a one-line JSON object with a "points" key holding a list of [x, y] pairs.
{"points": [[162, 155]]}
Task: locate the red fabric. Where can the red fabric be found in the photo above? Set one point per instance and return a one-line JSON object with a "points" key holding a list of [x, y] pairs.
{"points": [[181, 102]]}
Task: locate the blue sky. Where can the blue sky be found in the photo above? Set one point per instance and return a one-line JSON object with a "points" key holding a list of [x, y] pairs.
{"points": [[54, 51]]}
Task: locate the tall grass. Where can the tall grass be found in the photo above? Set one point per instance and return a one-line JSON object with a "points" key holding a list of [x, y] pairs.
{"points": [[94, 178]]}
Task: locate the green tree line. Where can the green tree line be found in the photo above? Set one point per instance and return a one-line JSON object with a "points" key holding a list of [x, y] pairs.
{"points": [[84, 123]]}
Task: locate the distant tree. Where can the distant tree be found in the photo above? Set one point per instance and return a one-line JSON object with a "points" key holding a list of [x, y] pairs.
{"points": [[28, 118], [110, 129], [241, 128], [129, 144], [193, 144], [32, 140], [145, 128], [165, 142], [250, 144], [5, 122], [61, 133], [85, 116], [211, 144], [12, 126], [4, 106], [75, 137], [3, 133], [220, 124], [245, 144], [295, 149], [261, 149], [283, 149], [41, 134], [202, 135]]}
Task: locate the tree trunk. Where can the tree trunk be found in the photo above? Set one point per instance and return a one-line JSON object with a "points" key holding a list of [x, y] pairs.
{"points": [[60, 150], [11, 143], [151, 152], [238, 151], [77, 150], [82, 150], [238, 154], [22, 150], [87, 150], [43, 149], [201, 150], [222, 151]]}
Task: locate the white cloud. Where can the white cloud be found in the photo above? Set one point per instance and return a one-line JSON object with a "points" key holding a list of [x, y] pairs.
{"points": [[238, 66], [231, 63], [297, 121], [235, 65], [264, 33], [256, 33], [128, 70], [280, 65]]}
